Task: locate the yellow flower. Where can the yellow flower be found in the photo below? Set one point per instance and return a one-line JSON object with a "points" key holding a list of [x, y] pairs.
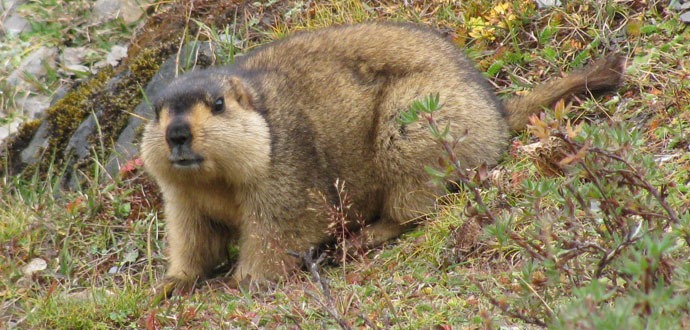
{"points": [[500, 9], [479, 29]]}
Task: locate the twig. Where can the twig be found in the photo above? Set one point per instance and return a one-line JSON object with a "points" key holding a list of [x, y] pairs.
{"points": [[460, 172], [551, 313], [293, 319], [368, 322], [641, 181], [313, 266], [184, 34], [505, 308]]}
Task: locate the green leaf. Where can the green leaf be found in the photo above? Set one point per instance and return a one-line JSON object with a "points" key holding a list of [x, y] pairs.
{"points": [[434, 172], [580, 58], [649, 29], [495, 67], [549, 53]]}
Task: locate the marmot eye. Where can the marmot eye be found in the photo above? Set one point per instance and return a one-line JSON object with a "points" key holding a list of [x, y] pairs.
{"points": [[218, 106]]}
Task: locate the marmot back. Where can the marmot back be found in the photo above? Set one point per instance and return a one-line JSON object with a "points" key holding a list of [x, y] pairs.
{"points": [[245, 153]]}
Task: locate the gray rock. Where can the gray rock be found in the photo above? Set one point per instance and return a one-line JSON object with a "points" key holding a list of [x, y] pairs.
{"points": [[128, 10], [10, 4], [9, 128], [16, 24], [78, 145], [113, 58], [59, 94], [685, 17], [106, 9], [38, 145], [125, 148], [33, 64], [548, 3], [679, 4], [72, 55], [34, 107], [116, 54]]}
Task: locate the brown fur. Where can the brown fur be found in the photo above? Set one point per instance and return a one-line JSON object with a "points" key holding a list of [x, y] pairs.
{"points": [[316, 107]]}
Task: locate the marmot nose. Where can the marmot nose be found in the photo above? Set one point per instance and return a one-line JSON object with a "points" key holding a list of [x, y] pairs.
{"points": [[178, 133]]}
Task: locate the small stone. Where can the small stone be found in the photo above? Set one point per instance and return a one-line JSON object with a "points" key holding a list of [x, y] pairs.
{"points": [[677, 5], [106, 9], [72, 55], [33, 65], [11, 4], [548, 3], [78, 144], [33, 153], [77, 68], [685, 17], [113, 58], [9, 128], [34, 107], [116, 54], [131, 11], [59, 94], [128, 10], [34, 266], [15, 25]]}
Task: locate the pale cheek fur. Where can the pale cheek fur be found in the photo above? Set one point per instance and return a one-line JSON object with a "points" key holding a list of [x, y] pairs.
{"points": [[243, 148], [154, 151]]}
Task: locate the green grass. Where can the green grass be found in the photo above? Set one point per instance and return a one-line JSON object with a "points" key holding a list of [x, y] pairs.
{"points": [[104, 246]]}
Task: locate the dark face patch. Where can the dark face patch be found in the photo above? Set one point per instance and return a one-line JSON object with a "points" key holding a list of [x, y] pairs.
{"points": [[187, 91]]}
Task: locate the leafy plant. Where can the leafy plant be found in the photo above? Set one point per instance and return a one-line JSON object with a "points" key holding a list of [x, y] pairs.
{"points": [[607, 229]]}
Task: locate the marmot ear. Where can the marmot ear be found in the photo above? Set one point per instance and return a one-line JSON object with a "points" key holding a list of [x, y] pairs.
{"points": [[243, 95]]}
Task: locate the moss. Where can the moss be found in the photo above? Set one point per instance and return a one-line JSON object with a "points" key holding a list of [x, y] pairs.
{"points": [[69, 112], [118, 101], [146, 64], [16, 144]]}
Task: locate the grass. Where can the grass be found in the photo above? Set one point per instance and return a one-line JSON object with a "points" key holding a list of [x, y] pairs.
{"points": [[104, 245]]}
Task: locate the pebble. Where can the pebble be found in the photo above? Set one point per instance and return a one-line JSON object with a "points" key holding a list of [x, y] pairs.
{"points": [[9, 128], [15, 25], [72, 55], [33, 64], [128, 10], [113, 58], [33, 107], [548, 3]]}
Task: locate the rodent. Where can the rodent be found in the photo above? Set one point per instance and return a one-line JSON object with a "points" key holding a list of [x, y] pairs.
{"points": [[239, 151]]}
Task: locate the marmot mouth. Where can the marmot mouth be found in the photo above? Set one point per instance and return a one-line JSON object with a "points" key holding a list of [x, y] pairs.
{"points": [[185, 163]]}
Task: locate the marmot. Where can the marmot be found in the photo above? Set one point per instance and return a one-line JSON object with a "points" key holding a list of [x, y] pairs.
{"points": [[239, 151]]}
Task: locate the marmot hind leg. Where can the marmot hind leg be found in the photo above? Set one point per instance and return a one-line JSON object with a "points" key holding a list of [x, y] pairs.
{"points": [[404, 205]]}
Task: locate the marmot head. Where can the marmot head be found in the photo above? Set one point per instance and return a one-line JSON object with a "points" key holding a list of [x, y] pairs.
{"points": [[207, 128]]}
